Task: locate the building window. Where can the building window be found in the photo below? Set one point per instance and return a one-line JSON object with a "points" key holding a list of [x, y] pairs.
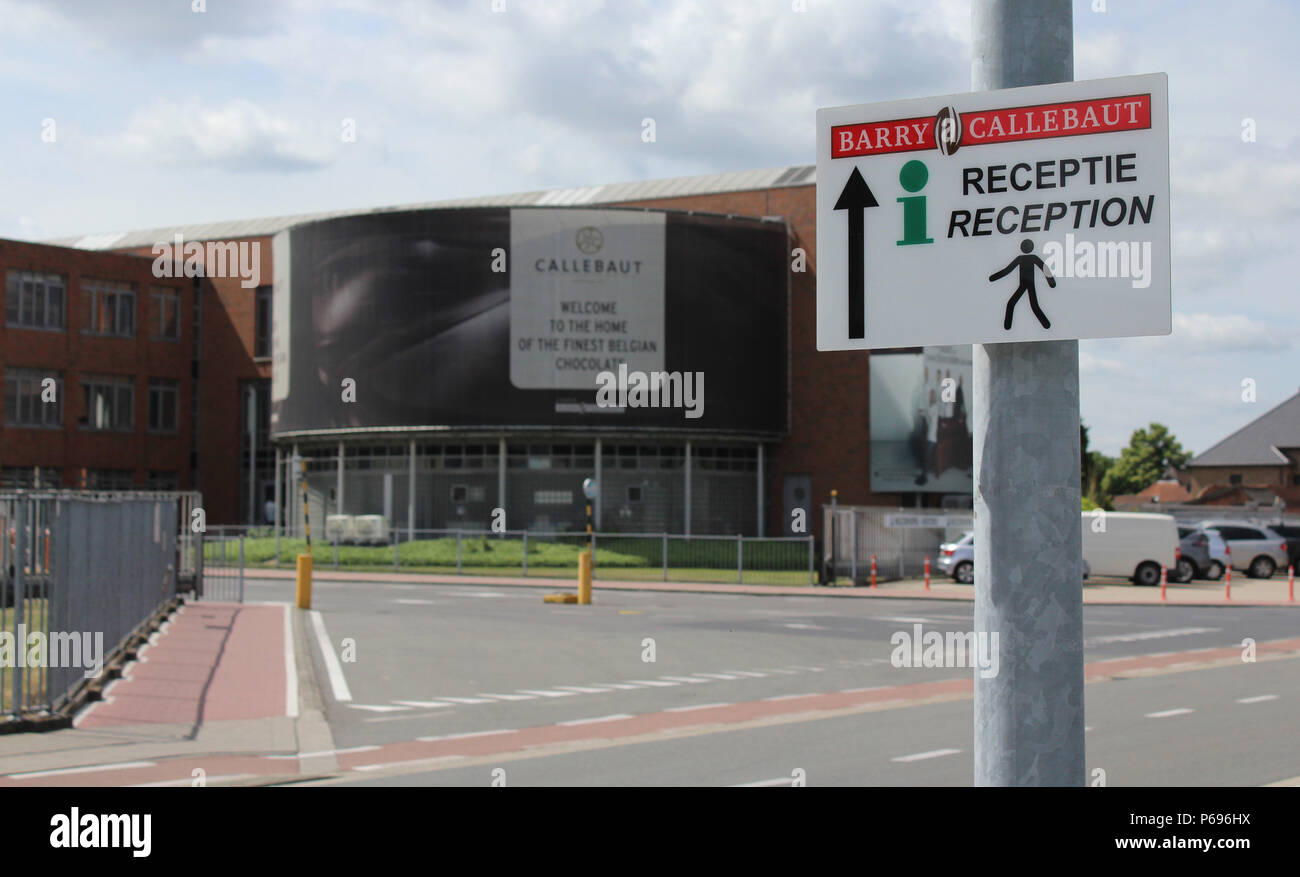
{"points": [[28, 404], [1234, 479], [110, 403], [108, 308], [35, 301], [553, 497], [160, 480], [109, 479], [31, 477], [164, 402], [167, 306], [262, 323]]}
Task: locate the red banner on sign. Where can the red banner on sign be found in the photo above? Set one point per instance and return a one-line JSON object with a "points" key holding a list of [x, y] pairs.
{"points": [[1068, 119]]}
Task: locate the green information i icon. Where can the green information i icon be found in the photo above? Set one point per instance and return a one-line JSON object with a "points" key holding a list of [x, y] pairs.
{"points": [[913, 178]]}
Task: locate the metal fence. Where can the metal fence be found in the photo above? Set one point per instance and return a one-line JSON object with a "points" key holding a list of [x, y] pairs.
{"points": [[856, 534], [626, 556], [81, 574]]}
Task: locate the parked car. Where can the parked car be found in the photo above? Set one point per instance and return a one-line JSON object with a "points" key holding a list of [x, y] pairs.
{"points": [[1291, 533], [1218, 556], [1131, 545], [1255, 549], [1193, 554], [957, 559]]}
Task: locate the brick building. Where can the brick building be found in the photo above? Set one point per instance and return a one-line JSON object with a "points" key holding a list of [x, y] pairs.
{"points": [[98, 357], [827, 444]]}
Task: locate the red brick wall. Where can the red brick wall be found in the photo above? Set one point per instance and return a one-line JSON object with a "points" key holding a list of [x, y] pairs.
{"points": [[75, 354], [226, 359]]}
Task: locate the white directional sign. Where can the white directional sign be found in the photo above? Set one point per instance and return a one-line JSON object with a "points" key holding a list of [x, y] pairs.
{"points": [[1028, 214]]}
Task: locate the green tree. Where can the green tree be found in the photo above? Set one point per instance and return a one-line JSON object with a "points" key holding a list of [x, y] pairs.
{"points": [[1093, 466], [1149, 453]]}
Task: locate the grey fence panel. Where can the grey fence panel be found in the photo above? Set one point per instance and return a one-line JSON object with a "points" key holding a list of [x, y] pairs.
{"points": [[86, 570]]}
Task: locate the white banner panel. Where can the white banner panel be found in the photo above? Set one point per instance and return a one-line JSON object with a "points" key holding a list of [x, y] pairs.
{"points": [[586, 294]]}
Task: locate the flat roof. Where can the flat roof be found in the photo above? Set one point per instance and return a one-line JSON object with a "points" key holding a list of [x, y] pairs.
{"points": [[611, 193]]}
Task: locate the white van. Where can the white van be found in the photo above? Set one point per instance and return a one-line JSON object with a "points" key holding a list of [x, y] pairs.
{"points": [[1130, 545]]}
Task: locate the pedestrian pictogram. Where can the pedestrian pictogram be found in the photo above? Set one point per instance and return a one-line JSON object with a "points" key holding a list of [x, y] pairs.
{"points": [[1027, 264]]}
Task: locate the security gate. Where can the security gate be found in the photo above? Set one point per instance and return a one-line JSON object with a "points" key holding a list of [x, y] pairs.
{"points": [[221, 568]]}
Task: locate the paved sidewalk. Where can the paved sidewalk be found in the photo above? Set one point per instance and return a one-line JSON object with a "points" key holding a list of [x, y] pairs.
{"points": [[1244, 592]]}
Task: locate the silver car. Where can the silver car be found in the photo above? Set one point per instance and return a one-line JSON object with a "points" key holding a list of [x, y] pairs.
{"points": [[1254, 548], [957, 559]]}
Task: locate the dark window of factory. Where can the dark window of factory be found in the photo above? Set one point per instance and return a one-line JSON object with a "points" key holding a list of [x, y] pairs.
{"points": [[110, 404], [262, 323], [28, 403], [163, 405], [167, 307], [35, 301], [108, 308]]}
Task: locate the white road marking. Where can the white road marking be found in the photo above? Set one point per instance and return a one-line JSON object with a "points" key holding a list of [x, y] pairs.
{"points": [[700, 706], [125, 765], [717, 675], [466, 735], [782, 672], [903, 619], [423, 704], [690, 679], [859, 690], [621, 686], [321, 752], [788, 696], [413, 602], [1181, 711], [376, 708], [779, 781], [332, 666], [582, 689], [1259, 698], [411, 762], [615, 717], [290, 668], [809, 669], [543, 692], [801, 626], [465, 699], [749, 673], [509, 696], [189, 781], [656, 683], [1148, 634], [922, 756]]}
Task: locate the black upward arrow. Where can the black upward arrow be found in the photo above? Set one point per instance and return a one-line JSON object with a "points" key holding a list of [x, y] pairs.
{"points": [[856, 198]]}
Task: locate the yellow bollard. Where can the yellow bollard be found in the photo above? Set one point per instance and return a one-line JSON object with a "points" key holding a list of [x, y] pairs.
{"points": [[584, 578], [304, 581]]}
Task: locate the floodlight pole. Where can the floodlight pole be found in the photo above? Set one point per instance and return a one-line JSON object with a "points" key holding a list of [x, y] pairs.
{"points": [[1028, 545]]}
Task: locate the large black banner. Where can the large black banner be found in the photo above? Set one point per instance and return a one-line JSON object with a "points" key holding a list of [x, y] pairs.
{"points": [[507, 317]]}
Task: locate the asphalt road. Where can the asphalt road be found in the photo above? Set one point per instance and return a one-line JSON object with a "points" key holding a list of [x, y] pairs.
{"points": [[438, 660]]}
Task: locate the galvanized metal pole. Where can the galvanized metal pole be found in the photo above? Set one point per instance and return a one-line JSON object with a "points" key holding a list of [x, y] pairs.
{"points": [[410, 494], [1028, 551]]}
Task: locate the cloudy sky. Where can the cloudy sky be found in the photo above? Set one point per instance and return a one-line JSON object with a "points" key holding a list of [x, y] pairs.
{"points": [[164, 115]]}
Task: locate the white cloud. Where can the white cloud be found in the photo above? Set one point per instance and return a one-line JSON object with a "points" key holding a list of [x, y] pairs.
{"points": [[235, 135], [1225, 333]]}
